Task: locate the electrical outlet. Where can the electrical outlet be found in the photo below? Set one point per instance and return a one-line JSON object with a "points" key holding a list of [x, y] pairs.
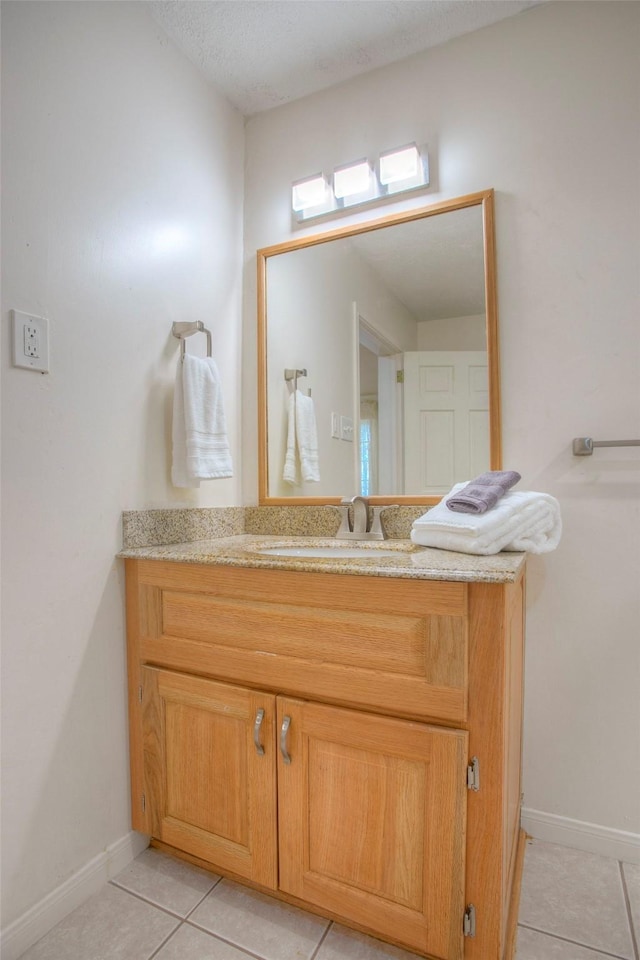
{"points": [[30, 342], [335, 426]]}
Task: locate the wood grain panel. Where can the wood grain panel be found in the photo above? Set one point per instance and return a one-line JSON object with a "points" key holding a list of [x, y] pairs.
{"points": [[377, 641], [446, 652], [376, 843], [337, 591], [415, 771], [388, 647], [208, 791], [350, 686]]}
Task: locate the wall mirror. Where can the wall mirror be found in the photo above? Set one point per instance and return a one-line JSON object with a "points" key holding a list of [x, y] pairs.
{"points": [[385, 332]]}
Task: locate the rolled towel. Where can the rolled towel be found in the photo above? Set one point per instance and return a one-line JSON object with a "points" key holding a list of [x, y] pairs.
{"points": [[526, 521], [481, 494]]}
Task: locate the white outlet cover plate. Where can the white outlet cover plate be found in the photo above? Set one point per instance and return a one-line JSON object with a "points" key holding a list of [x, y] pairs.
{"points": [[40, 362]]}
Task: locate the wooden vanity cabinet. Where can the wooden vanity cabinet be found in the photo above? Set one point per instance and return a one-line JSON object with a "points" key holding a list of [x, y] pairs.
{"points": [[313, 735]]}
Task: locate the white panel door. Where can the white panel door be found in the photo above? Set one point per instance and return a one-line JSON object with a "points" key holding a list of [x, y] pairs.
{"points": [[446, 419]]}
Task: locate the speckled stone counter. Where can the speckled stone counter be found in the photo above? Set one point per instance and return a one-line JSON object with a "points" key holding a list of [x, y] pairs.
{"points": [[408, 561]]}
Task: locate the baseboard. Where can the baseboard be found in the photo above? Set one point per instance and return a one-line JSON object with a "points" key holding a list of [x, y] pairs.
{"points": [[43, 916], [581, 835]]}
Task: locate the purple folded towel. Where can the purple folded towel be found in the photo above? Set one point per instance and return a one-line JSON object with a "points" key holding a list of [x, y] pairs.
{"points": [[484, 492]]}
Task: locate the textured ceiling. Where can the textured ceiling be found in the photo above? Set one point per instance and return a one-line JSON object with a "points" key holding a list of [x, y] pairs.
{"points": [[262, 53]]}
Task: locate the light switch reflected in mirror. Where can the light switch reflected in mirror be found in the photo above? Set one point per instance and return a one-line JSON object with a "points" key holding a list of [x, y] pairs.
{"points": [[395, 323]]}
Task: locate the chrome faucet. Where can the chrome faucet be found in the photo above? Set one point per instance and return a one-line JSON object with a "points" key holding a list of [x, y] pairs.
{"points": [[357, 527]]}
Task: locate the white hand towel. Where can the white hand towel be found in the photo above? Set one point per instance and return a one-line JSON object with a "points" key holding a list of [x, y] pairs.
{"points": [[179, 476], [526, 521], [302, 436], [207, 454], [290, 472]]}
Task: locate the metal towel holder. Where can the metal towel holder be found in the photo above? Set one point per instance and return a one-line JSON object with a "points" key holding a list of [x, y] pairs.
{"points": [[184, 330], [583, 446], [291, 374]]}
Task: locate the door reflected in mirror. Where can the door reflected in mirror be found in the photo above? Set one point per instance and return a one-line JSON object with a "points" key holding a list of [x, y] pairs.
{"points": [[394, 323]]}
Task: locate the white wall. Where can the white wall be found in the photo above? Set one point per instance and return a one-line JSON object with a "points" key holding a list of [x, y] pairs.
{"points": [[122, 211], [453, 333], [543, 107]]}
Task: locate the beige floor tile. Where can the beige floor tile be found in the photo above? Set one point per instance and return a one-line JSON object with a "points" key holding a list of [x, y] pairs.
{"points": [[344, 944], [112, 925], [166, 881], [257, 923], [575, 895], [191, 944], [632, 879], [539, 946]]}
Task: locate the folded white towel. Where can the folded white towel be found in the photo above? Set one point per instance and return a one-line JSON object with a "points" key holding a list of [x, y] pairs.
{"points": [[302, 437], [206, 452], [526, 521]]}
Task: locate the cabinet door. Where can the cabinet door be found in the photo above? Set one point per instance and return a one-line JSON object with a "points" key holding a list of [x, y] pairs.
{"points": [[211, 792], [372, 818]]}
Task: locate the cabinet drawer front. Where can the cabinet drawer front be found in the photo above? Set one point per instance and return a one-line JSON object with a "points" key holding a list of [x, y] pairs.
{"points": [[388, 647], [372, 822]]}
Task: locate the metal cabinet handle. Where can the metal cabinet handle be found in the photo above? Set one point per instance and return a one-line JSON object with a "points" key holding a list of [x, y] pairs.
{"points": [[286, 723], [256, 732]]}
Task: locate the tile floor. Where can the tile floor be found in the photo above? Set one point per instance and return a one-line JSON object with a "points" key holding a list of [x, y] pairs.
{"points": [[574, 906]]}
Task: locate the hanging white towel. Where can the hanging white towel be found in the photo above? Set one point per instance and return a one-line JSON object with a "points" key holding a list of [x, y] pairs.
{"points": [[179, 476], [526, 521], [206, 448], [302, 439]]}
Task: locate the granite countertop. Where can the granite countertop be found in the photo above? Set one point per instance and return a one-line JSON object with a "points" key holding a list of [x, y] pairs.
{"points": [[409, 561]]}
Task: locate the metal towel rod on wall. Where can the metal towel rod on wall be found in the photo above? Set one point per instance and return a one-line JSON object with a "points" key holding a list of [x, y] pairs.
{"points": [[583, 446], [291, 374], [184, 330]]}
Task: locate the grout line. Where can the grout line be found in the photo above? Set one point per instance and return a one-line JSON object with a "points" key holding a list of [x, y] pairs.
{"points": [[230, 943], [575, 943], [164, 942], [627, 902], [211, 889], [151, 903], [322, 939]]}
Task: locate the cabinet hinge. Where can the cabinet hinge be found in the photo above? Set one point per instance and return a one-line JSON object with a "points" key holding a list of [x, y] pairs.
{"points": [[473, 774], [399, 376], [140, 693], [143, 801], [469, 921]]}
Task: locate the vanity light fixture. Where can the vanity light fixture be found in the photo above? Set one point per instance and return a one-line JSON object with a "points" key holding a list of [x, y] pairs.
{"points": [[353, 182], [403, 168], [310, 193], [360, 182]]}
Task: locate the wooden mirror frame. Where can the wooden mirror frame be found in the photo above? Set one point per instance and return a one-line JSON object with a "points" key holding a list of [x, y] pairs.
{"points": [[484, 200]]}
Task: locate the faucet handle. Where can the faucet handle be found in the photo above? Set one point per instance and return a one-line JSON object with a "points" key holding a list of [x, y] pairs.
{"points": [[377, 533], [344, 527]]}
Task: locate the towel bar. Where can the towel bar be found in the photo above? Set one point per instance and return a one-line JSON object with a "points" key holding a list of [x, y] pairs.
{"points": [[583, 446], [291, 374], [184, 330]]}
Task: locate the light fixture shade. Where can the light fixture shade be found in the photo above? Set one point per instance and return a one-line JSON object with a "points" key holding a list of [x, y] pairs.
{"points": [[400, 164], [309, 193], [353, 179]]}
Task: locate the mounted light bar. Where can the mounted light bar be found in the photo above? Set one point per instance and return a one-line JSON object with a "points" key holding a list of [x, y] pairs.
{"points": [[398, 170]]}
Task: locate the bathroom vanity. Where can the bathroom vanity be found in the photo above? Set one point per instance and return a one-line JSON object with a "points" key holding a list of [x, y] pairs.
{"points": [[344, 735]]}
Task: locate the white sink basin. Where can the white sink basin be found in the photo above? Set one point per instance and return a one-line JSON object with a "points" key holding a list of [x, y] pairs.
{"points": [[337, 552]]}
